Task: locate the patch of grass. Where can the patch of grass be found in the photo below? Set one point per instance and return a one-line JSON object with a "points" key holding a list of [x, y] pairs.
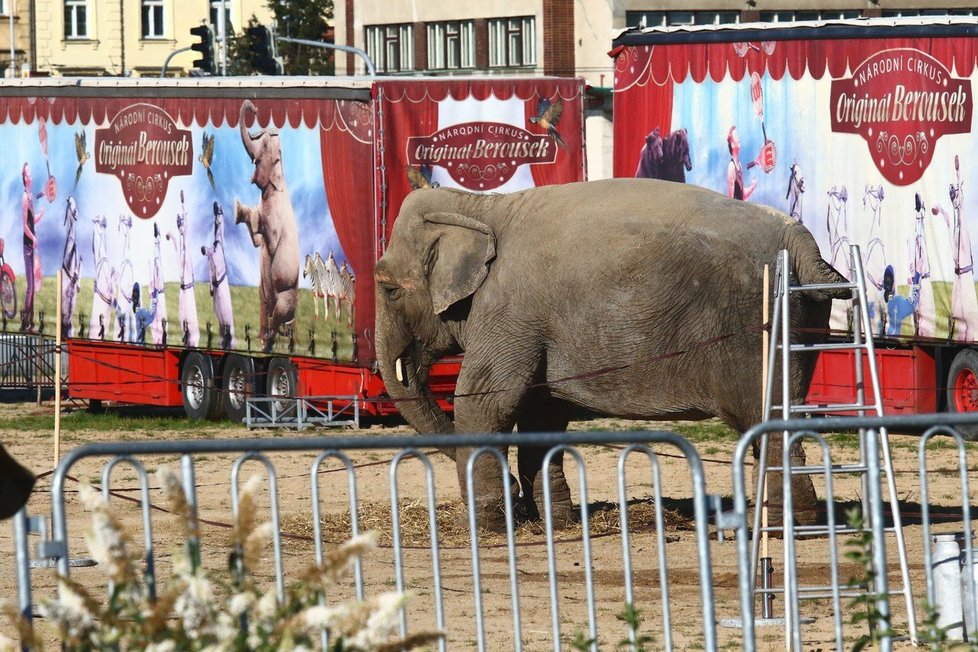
{"points": [[843, 440], [110, 421], [711, 430]]}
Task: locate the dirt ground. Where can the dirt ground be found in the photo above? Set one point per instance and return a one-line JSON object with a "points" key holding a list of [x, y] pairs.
{"points": [[714, 444]]}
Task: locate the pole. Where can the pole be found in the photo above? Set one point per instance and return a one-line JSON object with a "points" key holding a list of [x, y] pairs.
{"points": [[333, 46], [10, 12], [768, 599], [57, 373], [170, 56], [222, 25]]}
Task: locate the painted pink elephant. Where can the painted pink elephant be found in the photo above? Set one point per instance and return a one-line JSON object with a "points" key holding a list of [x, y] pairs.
{"points": [[273, 230]]}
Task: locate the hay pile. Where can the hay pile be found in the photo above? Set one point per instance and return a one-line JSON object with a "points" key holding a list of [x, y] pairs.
{"points": [[453, 528]]}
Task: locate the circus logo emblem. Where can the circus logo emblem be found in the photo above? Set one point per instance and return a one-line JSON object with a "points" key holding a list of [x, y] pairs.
{"points": [[901, 101], [481, 155], [143, 147]]}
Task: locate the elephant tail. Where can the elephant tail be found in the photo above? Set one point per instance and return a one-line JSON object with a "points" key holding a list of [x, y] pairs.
{"points": [[809, 267]]}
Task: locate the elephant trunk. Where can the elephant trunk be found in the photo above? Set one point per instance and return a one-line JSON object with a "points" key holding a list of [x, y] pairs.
{"points": [[405, 376], [247, 107]]}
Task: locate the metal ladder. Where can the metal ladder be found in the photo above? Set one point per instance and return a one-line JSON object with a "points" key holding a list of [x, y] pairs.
{"points": [[874, 444]]}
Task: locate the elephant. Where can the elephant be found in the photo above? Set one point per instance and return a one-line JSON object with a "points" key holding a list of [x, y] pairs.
{"points": [[273, 229], [16, 484], [631, 298]]}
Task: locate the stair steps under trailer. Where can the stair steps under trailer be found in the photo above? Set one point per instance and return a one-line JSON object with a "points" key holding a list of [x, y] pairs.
{"points": [[302, 412], [873, 468]]}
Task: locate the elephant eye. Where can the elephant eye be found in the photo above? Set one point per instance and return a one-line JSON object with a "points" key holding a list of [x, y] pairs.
{"points": [[391, 292]]}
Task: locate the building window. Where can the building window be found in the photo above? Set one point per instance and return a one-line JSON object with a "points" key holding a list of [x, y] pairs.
{"points": [[794, 16], [3, 7], [668, 18], [903, 13], [76, 19], [512, 42], [451, 45], [152, 18], [216, 17], [391, 47]]}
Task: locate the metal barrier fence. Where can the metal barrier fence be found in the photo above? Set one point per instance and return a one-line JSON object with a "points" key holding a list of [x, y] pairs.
{"points": [[505, 592], [301, 412], [585, 584], [877, 567], [27, 361]]}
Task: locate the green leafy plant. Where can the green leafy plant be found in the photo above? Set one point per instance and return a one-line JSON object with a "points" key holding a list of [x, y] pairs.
{"points": [[632, 617], [200, 610], [866, 603]]}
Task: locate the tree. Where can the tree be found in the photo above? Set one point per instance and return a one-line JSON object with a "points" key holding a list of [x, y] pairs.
{"points": [[239, 50], [304, 19]]}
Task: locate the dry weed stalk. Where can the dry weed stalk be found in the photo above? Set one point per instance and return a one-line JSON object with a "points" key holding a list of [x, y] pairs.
{"points": [[197, 610]]}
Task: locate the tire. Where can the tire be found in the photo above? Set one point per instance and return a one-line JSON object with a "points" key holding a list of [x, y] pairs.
{"points": [[95, 406], [201, 396], [8, 295], [239, 381], [962, 389], [281, 380]]}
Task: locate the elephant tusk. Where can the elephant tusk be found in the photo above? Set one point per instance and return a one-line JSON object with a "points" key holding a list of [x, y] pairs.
{"points": [[399, 370]]}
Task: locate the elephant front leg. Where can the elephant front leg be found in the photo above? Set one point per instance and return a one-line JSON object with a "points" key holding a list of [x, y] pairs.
{"points": [[489, 487], [251, 217], [487, 401]]}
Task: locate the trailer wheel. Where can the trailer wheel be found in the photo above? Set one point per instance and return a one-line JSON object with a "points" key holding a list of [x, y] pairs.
{"points": [[281, 380], [962, 389], [201, 397], [239, 381]]}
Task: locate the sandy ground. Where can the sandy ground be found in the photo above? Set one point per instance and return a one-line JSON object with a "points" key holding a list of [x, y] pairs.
{"points": [[535, 614]]}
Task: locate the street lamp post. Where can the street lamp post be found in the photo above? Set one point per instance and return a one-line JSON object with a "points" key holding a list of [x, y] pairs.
{"points": [[10, 12]]}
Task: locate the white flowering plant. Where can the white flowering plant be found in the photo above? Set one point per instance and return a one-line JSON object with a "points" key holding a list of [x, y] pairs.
{"points": [[199, 610]]}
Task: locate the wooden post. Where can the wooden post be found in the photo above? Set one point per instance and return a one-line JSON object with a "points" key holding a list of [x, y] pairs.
{"points": [[57, 373]]}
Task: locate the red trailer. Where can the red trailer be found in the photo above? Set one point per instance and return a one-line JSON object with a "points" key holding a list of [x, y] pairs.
{"points": [[864, 131], [216, 237]]}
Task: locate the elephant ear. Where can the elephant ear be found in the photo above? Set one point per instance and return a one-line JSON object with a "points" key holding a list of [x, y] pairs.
{"points": [[456, 257]]}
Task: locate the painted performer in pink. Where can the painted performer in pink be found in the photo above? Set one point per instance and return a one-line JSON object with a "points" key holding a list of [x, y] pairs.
{"points": [[963, 320], [220, 286], [837, 225], [187, 306], [920, 285], [874, 259], [158, 289]]}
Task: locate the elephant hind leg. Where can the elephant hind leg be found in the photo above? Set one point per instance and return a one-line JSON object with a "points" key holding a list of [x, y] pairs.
{"points": [[549, 416]]}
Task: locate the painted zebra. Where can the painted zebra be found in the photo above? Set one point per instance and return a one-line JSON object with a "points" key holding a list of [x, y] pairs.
{"points": [[347, 291]]}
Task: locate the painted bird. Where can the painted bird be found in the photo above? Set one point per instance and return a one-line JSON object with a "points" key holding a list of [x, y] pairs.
{"points": [[80, 152], [420, 177], [548, 115], [207, 156]]}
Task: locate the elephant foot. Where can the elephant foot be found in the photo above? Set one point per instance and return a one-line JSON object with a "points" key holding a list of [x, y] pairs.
{"points": [[563, 515], [562, 512], [490, 516]]}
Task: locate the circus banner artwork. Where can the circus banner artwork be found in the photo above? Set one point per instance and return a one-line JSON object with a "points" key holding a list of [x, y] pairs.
{"points": [[177, 222], [865, 141]]}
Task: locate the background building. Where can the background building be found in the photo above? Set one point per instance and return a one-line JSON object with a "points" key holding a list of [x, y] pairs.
{"points": [[557, 37], [127, 37], [15, 30]]}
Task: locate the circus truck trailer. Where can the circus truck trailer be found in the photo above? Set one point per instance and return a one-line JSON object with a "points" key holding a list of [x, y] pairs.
{"points": [[216, 238], [864, 131]]}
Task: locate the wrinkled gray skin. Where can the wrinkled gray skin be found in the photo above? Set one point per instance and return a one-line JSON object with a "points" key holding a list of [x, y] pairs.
{"points": [[632, 298], [16, 483]]}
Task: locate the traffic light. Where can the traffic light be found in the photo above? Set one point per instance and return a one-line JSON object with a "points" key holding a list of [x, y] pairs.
{"points": [[205, 47], [262, 46]]}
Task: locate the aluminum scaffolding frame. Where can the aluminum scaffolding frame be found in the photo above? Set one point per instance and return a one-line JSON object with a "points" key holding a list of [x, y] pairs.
{"points": [[873, 444]]}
